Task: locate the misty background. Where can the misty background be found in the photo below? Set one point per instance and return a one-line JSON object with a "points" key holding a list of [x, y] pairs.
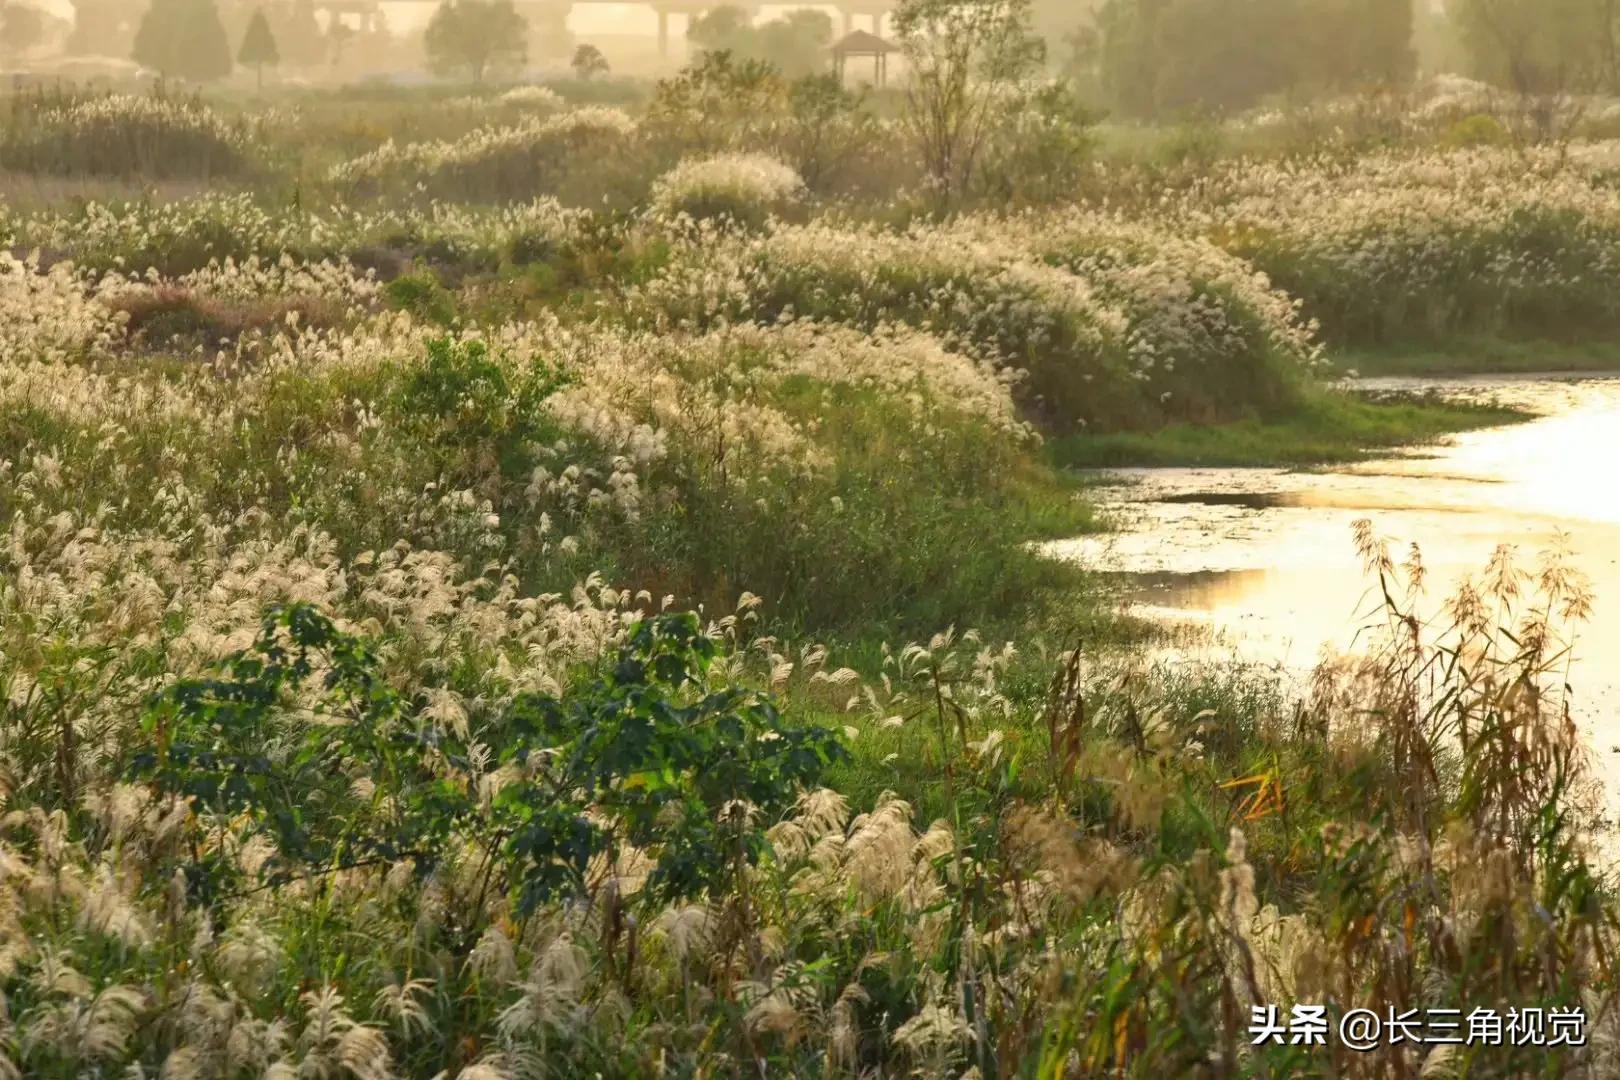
{"points": [[1132, 58]]}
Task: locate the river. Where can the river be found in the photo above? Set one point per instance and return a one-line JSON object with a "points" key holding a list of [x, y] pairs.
{"points": [[1262, 563]]}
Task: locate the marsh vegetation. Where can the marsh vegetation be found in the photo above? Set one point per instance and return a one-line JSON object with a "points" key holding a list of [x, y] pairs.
{"points": [[541, 580]]}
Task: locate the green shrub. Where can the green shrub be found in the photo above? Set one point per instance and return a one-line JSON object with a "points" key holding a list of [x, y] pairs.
{"points": [[643, 754], [1481, 129], [465, 396], [422, 295]]}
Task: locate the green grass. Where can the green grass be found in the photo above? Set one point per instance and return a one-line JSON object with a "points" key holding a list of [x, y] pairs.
{"points": [[1329, 428], [1486, 357]]}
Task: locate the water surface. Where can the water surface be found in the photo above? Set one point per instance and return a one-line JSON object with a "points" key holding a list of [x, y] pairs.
{"points": [[1264, 558]]}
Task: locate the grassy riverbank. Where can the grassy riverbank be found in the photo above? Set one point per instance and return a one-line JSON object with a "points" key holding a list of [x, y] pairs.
{"points": [[1487, 356], [1332, 427]]}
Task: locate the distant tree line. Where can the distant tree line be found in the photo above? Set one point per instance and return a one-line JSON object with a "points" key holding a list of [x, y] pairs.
{"points": [[1155, 58], [795, 44], [1167, 58], [1542, 47], [196, 39], [203, 40], [1150, 59]]}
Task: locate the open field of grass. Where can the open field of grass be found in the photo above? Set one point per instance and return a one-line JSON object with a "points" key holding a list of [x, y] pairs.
{"points": [[496, 584]]}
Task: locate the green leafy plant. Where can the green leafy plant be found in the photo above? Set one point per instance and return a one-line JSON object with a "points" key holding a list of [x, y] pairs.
{"points": [[300, 738], [423, 296], [280, 734], [473, 396], [667, 765]]}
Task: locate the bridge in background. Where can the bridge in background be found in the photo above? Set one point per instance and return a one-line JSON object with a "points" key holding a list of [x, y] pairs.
{"points": [[553, 12]]}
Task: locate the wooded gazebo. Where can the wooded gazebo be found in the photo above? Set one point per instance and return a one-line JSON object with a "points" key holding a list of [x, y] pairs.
{"points": [[859, 43]]}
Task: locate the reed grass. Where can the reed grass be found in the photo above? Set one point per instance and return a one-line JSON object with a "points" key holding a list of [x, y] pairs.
{"points": [[505, 640]]}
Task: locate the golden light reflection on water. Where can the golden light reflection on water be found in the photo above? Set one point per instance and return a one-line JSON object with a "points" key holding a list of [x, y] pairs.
{"points": [[1264, 557], [1563, 467]]}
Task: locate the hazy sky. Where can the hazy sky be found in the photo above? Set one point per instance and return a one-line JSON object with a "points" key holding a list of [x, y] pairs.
{"points": [[588, 18]]}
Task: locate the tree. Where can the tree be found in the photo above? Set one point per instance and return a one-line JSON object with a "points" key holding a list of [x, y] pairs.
{"points": [[968, 59], [722, 29], [1228, 54], [795, 44], [716, 103], [259, 47], [338, 36], [1549, 53], [184, 39], [588, 63], [1059, 22], [101, 28], [1537, 46], [298, 33], [1128, 54], [1374, 41], [475, 36], [1193, 56], [828, 130], [22, 26]]}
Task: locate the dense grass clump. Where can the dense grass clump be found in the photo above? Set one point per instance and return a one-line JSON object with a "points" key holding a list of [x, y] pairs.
{"points": [[520, 161], [152, 137], [184, 236], [846, 479], [1413, 249], [744, 189], [47, 316], [1115, 328]]}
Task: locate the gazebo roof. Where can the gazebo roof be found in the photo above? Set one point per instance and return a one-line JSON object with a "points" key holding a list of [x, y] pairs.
{"points": [[861, 43]]}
